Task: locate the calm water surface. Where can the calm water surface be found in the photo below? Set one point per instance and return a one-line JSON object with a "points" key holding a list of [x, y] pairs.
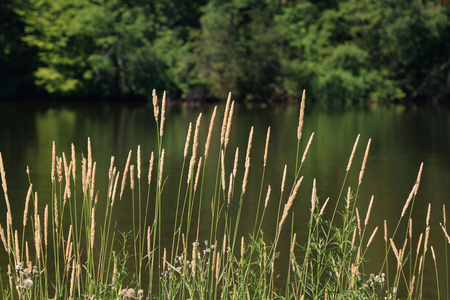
{"points": [[402, 138]]}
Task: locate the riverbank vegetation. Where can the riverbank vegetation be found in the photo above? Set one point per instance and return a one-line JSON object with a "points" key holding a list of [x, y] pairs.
{"points": [[68, 245], [340, 51]]}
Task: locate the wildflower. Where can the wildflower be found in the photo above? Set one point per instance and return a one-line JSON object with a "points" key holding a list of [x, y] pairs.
{"points": [[122, 292], [28, 283], [141, 292], [27, 272], [131, 293], [194, 244], [206, 242]]}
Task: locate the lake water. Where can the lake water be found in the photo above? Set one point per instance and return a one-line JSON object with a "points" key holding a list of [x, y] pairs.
{"points": [[402, 138]]}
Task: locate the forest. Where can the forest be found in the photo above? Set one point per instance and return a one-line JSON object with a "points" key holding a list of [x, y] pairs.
{"points": [[348, 51]]}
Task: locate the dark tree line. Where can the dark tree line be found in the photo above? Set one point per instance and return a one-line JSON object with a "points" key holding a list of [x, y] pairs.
{"points": [[348, 50]]}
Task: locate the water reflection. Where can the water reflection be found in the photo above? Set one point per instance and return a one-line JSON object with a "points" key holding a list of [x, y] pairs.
{"points": [[402, 138]]}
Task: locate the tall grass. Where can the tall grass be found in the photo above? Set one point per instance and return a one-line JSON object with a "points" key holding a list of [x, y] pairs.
{"points": [[75, 254]]}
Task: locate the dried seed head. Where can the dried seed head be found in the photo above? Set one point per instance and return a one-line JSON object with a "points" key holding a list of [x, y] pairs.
{"points": [[363, 166], [249, 144], [307, 147], [163, 114], [235, 164], [352, 155], [188, 139], [224, 244], [420, 264], [230, 189], [397, 255], [411, 286], [385, 231], [125, 172], [150, 169], [223, 170], [288, 205], [72, 279], [417, 183], [301, 116], [161, 168], [164, 259], [322, 210], [225, 120], [428, 214], [27, 203], [74, 164], [155, 105], [3, 237], [115, 189], [444, 216], [83, 173], [93, 226], [59, 168], [366, 221], [349, 196], [16, 245], [244, 181], [111, 168], [218, 265], [198, 173], [191, 169], [445, 232], [132, 177], [230, 119], [211, 125], [46, 225], [37, 237], [55, 207], [283, 180], [371, 237], [131, 293], [94, 168], [27, 283], [434, 255], [419, 243], [242, 248], [410, 228], [358, 221], [425, 244], [405, 207], [194, 258], [139, 162], [269, 189], [313, 196], [197, 128], [53, 162], [266, 148]]}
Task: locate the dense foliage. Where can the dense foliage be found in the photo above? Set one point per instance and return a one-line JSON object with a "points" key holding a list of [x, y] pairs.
{"points": [[348, 50]]}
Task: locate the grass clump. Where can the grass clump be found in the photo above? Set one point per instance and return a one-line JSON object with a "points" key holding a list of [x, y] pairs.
{"points": [[70, 251]]}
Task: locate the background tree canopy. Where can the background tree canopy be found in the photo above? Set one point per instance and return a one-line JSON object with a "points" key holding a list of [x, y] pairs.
{"points": [[340, 51]]}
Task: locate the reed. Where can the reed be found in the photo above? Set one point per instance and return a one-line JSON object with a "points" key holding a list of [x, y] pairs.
{"points": [[79, 253]]}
